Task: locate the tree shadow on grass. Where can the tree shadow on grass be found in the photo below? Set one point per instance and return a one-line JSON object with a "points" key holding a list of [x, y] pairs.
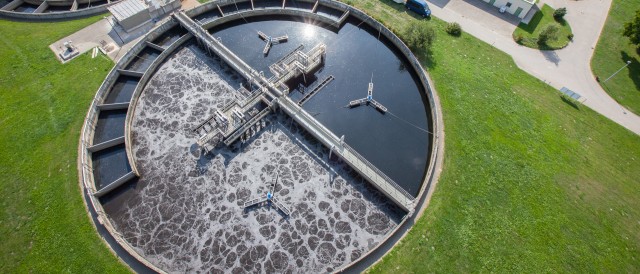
{"points": [[634, 68], [427, 60]]}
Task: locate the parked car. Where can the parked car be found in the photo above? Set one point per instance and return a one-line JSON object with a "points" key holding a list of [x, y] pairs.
{"points": [[418, 6]]}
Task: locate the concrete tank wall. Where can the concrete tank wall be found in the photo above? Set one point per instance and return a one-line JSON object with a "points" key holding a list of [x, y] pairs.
{"points": [[429, 178], [65, 15]]}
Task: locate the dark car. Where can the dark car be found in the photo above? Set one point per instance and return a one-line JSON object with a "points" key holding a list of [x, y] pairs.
{"points": [[418, 6]]}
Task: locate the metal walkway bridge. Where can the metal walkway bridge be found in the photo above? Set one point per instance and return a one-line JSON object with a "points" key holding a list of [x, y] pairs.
{"points": [[367, 170]]}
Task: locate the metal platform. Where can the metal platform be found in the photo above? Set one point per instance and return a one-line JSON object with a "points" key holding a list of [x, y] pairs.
{"points": [[270, 41], [368, 101]]}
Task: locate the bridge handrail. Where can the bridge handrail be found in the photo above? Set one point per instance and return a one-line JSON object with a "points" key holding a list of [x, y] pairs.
{"points": [[305, 115], [378, 171], [197, 30]]}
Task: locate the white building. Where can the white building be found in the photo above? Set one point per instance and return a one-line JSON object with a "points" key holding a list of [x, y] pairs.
{"points": [[131, 14], [519, 8]]}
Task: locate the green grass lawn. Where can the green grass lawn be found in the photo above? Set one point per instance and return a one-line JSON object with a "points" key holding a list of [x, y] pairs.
{"points": [[613, 51], [44, 226], [530, 182], [529, 33]]}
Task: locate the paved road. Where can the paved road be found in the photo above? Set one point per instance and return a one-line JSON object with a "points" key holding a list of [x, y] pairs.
{"points": [[569, 67]]}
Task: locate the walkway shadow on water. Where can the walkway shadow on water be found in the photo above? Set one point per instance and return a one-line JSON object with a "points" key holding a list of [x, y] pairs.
{"points": [[634, 68]]}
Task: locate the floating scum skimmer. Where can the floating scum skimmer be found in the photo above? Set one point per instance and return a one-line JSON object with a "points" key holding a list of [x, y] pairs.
{"points": [[270, 41], [368, 100], [268, 199]]}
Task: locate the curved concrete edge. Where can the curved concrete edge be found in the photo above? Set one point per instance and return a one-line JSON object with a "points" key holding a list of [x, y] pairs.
{"points": [[315, 18], [393, 237], [117, 245], [113, 245], [55, 16], [114, 240], [138, 92]]}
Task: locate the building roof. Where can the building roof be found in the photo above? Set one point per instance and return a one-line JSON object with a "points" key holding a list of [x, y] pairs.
{"points": [[127, 8]]}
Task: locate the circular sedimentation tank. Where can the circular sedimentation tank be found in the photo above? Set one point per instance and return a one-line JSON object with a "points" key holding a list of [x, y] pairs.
{"points": [[166, 204]]}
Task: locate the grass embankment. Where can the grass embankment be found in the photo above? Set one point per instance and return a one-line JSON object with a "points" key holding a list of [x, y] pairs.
{"points": [[613, 51], [530, 182], [43, 223], [527, 35]]}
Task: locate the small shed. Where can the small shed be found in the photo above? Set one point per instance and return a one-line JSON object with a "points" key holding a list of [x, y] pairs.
{"points": [[130, 14]]}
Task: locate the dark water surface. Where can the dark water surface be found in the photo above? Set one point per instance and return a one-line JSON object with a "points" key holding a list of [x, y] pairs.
{"points": [[26, 8], [109, 165], [122, 89], [143, 59], [110, 125], [169, 36], [52, 9], [395, 142], [91, 4]]}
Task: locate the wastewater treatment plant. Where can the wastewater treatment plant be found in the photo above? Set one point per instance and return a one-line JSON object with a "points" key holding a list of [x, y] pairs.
{"points": [[259, 136], [305, 136]]}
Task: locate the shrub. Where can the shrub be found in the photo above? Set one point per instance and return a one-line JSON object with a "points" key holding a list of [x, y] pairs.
{"points": [[454, 29], [632, 30], [419, 36], [519, 39], [559, 13], [570, 36], [549, 33]]}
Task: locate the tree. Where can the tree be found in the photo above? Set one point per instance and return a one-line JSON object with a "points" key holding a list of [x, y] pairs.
{"points": [[549, 33], [632, 29], [559, 13], [419, 36]]}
